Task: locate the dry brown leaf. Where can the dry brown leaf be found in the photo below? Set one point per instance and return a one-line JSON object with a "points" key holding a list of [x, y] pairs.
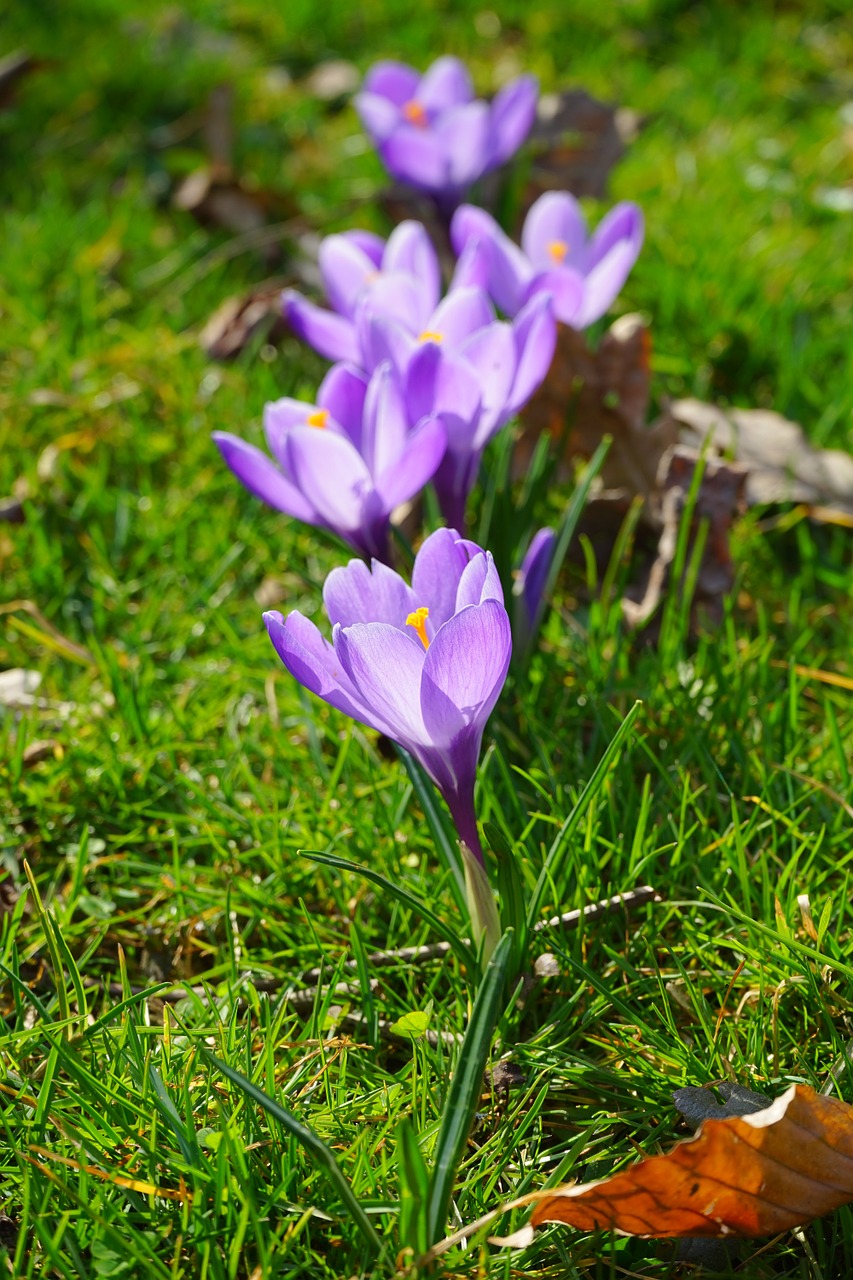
{"points": [[748, 1175], [576, 142], [235, 322]]}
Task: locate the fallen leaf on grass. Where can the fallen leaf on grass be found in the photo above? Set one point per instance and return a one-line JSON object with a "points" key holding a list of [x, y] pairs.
{"points": [[747, 1175], [576, 142], [235, 322]]}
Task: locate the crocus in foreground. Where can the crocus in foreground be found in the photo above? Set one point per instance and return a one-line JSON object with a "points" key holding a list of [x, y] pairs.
{"points": [[343, 463], [433, 134], [423, 664], [583, 274]]}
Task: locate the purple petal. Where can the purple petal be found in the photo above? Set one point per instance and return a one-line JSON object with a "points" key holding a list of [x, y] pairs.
{"points": [[447, 83], [567, 289], [393, 80], [508, 269], [612, 253], [346, 271], [464, 137], [460, 314], [439, 382], [280, 416], [382, 338], [342, 393], [424, 450], [355, 593], [332, 475], [535, 333], [492, 354], [415, 156], [379, 116], [532, 577], [555, 219], [370, 244], [263, 478], [385, 665], [472, 268], [513, 111], [439, 566], [400, 296], [411, 251], [310, 658], [464, 671], [330, 334], [386, 424], [480, 581]]}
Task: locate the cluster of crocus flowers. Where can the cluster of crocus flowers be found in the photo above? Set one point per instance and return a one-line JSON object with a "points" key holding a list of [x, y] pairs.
{"points": [[423, 664], [582, 274], [432, 133]]}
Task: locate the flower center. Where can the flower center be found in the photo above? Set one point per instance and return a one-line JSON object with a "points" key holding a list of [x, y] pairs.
{"points": [[430, 335], [415, 114], [557, 250], [318, 418], [418, 621]]}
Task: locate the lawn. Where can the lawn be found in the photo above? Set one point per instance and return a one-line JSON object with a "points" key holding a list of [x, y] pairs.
{"points": [[167, 946]]}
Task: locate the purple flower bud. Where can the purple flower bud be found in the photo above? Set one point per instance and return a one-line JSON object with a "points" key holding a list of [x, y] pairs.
{"points": [[529, 585], [423, 664]]}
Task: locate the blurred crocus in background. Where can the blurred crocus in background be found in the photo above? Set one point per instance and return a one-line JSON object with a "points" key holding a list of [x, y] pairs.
{"points": [[583, 273], [431, 131], [423, 664], [343, 463], [529, 586]]}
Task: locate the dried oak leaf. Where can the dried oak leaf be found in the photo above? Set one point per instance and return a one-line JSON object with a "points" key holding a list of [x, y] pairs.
{"points": [[749, 1175]]}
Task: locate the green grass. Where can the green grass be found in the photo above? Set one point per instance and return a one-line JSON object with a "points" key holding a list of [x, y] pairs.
{"points": [[163, 827]]}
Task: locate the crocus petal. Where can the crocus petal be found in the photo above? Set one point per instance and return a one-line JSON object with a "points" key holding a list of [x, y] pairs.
{"points": [[311, 659], [342, 394], [393, 80], [386, 426], [354, 593], [535, 334], [460, 314], [400, 296], [472, 268], [415, 156], [332, 475], [555, 219], [437, 381], [411, 251], [612, 253], [492, 353], [480, 581], [508, 268], [385, 665], [624, 223], [370, 244], [382, 338], [332, 335], [467, 662], [346, 270], [280, 416], [408, 474], [447, 83], [438, 568], [532, 577], [513, 111], [378, 115], [464, 137], [567, 289], [263, 478]]}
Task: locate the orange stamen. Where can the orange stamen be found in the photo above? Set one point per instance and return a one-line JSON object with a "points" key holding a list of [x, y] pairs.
{"points": [[415, 114], [318, 418], [429, 335], [557, 251], [418, 621]]}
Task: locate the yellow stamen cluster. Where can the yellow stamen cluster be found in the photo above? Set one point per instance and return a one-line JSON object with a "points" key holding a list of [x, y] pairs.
{"points": [[415, 114], [418, 621], [430, 335], [318, 418], [557, 251]]}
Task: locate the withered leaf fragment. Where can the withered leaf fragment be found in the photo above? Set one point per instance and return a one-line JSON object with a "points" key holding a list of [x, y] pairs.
{"points": [[751, 1175]]}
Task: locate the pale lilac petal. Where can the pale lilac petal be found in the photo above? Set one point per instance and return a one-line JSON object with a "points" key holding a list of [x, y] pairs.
{"points": [[330, 334], [405, 477], [623, 224], [467, 663], [332, 475], [472, 268], [346, 270], [567, 289], [383, 338], [355, 593], [480, 581], [411, 251], [386, 426], [508, 268], [400, 296], [393, 80], [415, 156], [437, 381], [492, 354], [464, 137], [378, 115], [513, 111], [532, 577], [386, 666], [370, 244], [460, 314], [615, 247], [447, 83], [535, 332], [309, 657], [555, 219], [342, 393], [280, 416], [263, 478], [439, 566]]}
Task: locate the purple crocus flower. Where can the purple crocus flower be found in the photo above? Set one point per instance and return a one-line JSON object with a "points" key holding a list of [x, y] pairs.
{"points": [[344, 463], [423, 664], [433, 134], [355, 264], [529, 586], [583, 274]]}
